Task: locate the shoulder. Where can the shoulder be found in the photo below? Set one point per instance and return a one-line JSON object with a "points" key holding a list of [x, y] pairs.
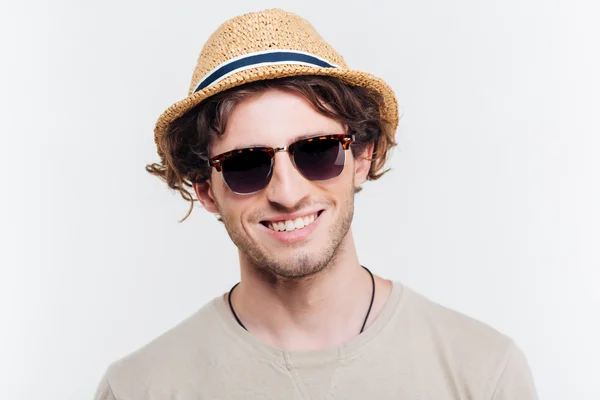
{"points": [[167, 358], [443, 324], [465, 347]]}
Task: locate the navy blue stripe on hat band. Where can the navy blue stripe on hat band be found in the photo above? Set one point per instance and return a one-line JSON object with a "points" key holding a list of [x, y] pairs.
{"points": [[253, 60]]}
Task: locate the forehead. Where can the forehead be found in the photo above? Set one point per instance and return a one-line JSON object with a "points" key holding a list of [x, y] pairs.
{"points": [[273, 118]]}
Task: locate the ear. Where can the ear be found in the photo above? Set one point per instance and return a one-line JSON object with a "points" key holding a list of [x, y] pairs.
{"points": [[362, 165], [206, 196]]}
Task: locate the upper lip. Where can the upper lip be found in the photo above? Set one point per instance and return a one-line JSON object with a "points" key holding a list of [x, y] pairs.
{"points": [[291, 217]]}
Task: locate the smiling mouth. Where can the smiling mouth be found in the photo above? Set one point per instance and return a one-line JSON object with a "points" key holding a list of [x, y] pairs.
{"points": [[290, 225]]}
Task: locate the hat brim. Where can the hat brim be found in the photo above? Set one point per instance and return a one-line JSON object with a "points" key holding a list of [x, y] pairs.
{"points": [[352, 77]]}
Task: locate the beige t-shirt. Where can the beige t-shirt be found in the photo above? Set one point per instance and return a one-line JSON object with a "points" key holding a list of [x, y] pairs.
{"points": [[415, 349]]}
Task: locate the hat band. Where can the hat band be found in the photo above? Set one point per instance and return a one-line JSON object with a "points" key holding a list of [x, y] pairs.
{"points": [[262, 58]]}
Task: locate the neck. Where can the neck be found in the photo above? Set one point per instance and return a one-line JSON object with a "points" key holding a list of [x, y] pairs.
{"points": [[319, 311]]}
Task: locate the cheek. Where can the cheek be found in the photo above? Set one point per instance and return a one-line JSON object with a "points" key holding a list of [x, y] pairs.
{"points": [[337, 190], [219, 184], [236, 209], [348, 174]]}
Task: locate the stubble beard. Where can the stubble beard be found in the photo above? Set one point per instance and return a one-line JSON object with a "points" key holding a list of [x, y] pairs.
{"points": [[303, 263]]}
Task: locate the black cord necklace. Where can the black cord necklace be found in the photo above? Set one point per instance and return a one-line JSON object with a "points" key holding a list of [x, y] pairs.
{"points": [[363, 325]]}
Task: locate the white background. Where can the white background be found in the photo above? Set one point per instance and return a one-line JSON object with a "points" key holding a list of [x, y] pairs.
{"points": [[491, 207]]}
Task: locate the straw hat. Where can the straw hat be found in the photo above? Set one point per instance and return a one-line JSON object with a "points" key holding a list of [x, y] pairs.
{"points": [[266, 45]]}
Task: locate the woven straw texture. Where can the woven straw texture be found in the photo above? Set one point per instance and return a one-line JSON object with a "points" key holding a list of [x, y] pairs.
{"points": [[269, 30]]}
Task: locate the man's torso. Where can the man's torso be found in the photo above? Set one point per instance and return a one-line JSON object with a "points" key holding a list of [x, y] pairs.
{"points": [[416, 349]]}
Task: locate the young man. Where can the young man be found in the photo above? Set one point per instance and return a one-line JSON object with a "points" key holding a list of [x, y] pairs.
{"points": [[275, 137]]}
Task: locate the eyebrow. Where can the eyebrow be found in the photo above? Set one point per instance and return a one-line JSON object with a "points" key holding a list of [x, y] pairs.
{"points": [[294, 139]]}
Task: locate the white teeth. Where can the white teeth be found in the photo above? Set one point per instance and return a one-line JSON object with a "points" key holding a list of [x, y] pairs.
{"points": [[290, 225]]}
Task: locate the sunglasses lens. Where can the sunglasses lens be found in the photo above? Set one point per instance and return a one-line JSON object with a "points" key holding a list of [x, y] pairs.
{"points": [[248, 171], [319, 160]]}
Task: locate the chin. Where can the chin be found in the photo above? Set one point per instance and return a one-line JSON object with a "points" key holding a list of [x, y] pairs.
{"points": [[295, 266]]}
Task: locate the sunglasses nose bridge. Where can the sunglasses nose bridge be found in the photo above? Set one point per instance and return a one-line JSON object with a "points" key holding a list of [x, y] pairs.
{"points": [[280, 148], [284, 149]]}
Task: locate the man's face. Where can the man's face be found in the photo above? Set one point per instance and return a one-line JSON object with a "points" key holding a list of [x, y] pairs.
{"points": [[276, 118]]}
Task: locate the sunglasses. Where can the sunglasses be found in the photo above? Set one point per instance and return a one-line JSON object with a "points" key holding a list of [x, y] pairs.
{"points": [[249, 170]]}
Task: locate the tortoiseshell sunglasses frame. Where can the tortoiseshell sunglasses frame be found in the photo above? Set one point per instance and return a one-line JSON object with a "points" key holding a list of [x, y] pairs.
{"points": [[343, 138]]}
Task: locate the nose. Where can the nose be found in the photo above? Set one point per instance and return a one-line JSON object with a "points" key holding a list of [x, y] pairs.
{"points": [[287, 187]]}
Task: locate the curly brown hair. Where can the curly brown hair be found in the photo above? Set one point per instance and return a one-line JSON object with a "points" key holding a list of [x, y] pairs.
{"points": [[185, 149]]}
